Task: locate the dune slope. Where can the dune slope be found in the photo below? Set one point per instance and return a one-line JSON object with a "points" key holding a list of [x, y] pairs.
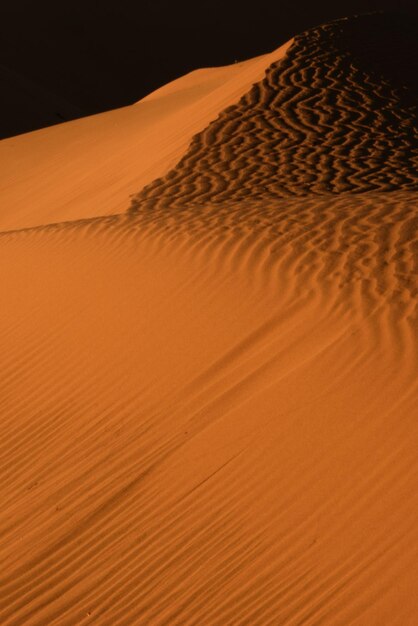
{"points": [[324, 119], [209, 401], [90, 167]]}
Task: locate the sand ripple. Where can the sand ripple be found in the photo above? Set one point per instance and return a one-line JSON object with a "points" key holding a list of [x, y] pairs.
{"points": [[325, 119], [208, 403]]}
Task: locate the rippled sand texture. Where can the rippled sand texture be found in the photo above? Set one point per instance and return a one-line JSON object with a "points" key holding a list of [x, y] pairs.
{"points": [[209, 402], [324, 120]]}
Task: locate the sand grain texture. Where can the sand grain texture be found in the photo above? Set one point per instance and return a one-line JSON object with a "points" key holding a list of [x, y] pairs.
{"points": [[208, 401]]}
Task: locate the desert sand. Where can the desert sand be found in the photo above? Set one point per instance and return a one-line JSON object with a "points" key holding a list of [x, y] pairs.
{"points": [[209, 355], [91, 166]]}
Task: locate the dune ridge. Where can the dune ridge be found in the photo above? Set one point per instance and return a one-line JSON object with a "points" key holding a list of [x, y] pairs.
{"points": [[90, 167], [323, 120], [209, 401]]}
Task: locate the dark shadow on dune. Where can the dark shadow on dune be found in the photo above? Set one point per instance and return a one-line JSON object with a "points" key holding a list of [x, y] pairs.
{"points": [[337, 114], [385, 45], [97, 56]]}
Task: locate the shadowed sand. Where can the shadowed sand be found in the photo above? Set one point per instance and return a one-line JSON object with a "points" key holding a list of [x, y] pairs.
{"points": [[209, 401]]}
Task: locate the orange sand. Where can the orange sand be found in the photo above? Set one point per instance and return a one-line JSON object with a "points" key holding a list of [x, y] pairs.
{"points": [[90, 166], [208, 409]]}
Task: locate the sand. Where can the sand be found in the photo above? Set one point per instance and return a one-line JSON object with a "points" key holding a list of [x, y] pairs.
{"points": [[208, 398], [89, 167]]}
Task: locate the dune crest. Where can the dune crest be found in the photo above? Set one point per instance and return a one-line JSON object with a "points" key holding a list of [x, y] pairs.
{"points": [[90, 167], [323, 120], [209, 400]]}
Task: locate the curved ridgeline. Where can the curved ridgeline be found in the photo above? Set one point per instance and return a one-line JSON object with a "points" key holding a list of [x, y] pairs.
{"points": [[336, 115]]}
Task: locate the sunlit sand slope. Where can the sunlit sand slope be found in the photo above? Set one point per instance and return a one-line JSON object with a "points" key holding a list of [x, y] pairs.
{"points": [[210, 416], [92, 165], [208, 406]]}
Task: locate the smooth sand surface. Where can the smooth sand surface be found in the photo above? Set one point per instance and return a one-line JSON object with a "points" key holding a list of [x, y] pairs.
{"points": [[208, 401], [90, 166]]}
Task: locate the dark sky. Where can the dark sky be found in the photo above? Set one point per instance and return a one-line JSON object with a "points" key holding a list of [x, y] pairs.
{"points": [[101, 55]]}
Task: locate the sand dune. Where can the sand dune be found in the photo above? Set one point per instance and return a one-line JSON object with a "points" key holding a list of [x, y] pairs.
{"points": [[209, 399], [91, 166], [321, 121]]}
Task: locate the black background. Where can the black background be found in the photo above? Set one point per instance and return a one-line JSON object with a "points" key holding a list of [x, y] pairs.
{"points": [[102, 55]]}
